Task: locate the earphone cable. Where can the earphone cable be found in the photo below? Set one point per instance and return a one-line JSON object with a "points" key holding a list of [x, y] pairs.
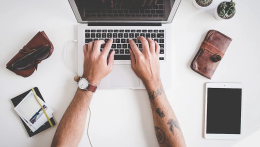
{"points": [[70, 67]]}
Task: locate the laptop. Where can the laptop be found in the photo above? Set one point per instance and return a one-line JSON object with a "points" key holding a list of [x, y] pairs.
{"points": [[121, 23]]}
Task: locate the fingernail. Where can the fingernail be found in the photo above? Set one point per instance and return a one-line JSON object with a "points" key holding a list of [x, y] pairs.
{"points": [[130, 39]]}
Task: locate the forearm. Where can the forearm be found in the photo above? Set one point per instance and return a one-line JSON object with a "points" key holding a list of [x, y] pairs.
{"points": [[71, 127], [167, 128]]}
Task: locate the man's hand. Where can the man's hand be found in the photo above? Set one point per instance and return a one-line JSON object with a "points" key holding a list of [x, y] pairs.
{"points": [[146, 66], [146, 63], [96, 65]]}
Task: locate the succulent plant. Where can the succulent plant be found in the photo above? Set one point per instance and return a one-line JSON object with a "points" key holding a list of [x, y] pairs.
{"points": [[226, 9], [204, 2]]}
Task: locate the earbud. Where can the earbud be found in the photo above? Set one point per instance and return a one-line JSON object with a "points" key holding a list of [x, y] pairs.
{"points": [[76, 78]]}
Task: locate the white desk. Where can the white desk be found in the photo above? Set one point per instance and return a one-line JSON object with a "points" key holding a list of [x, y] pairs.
{"points": [[123, 118]]}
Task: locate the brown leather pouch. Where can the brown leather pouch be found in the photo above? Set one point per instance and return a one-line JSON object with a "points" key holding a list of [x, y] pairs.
{"points": [[211, 51], [38, 41]]}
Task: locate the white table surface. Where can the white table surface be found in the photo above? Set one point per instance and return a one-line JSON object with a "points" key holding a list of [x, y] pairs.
{"points": [[123, 117]]}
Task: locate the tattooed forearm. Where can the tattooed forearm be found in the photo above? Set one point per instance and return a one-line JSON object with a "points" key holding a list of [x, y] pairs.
{"points": [[159, 135], [160, 112], [154, 94], [173, 124]]}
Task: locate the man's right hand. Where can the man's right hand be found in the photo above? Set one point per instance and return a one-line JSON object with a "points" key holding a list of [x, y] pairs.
{"points": [[145, 64], [96, 65]]}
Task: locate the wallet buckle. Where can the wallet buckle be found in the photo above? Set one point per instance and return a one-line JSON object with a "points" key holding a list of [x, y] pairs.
{"points": [[216, 58]]}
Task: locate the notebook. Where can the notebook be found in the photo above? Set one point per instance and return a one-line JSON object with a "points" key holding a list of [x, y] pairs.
{"points": [[16, 100]]}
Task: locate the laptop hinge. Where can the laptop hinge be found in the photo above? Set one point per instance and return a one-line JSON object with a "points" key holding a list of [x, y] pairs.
{"points": [[124, 24]]}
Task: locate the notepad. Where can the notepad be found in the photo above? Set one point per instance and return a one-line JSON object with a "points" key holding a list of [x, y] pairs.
{"points": [[30, 112]]}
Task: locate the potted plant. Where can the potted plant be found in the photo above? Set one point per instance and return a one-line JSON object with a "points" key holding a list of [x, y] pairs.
{"points": [[225, 10], [202, 4]]}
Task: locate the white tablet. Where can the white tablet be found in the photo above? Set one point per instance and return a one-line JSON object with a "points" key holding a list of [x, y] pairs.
{"points": [[223, 111]]}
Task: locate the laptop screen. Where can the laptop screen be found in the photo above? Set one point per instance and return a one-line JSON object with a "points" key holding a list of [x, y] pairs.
{"points": [[125, 10]]}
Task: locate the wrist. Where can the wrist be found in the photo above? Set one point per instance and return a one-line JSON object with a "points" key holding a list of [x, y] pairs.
{"points": [[91, 81], [88, 94], [154, 89], [152, 84]]}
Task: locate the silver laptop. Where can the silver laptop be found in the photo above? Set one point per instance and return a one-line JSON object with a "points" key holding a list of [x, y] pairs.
{"points": [[121, 23]]}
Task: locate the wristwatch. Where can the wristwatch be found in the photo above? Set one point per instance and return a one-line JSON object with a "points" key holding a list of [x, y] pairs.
{"points": [[85, 85]]}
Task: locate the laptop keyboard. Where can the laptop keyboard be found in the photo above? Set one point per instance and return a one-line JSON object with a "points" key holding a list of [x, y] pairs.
{"points": [[120, 9], [121, 43]]}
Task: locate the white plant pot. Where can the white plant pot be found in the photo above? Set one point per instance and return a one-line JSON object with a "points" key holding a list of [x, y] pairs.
{"points": [[198, 6], [216, 13]]}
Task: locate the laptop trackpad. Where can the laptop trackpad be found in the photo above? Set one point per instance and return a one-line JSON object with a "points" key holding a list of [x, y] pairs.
{"points": [[123, 76]]}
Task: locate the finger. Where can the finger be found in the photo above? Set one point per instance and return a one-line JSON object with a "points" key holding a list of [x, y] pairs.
{"points": [[107, 47], [157, 48], [151, 45], [132, 56], [110, 61], [85, 49], [112, 3], [97, 45], [155, 1], [143, 4], [144, 44], [90, 46], [134, 48]]}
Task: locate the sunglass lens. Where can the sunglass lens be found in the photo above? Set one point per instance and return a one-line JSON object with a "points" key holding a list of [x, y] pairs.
{"points": [[23, 66], [42, 55]]}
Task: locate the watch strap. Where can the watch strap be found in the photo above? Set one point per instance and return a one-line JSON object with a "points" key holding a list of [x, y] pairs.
{"points": [[91, 88]]}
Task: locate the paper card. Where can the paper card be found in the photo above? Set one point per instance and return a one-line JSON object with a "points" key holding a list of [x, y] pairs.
{"points": [[30, 126], [30, 110], [28, 106]]}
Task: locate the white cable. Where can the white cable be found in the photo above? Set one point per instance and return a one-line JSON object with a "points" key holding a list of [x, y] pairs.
{"points": [[66, 58], [88, 126], [70, 67]]}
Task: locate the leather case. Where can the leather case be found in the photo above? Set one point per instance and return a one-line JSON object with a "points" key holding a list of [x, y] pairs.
{"points": [[39, 40], [211, 51]]}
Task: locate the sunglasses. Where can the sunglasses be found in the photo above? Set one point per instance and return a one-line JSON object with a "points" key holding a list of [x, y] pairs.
{"points": [[37, 55]]}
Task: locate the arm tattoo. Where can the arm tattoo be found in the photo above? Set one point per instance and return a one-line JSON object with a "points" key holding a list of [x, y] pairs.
{"points": [[154, 94], [159, 135], [160, 112], [173, 124]]}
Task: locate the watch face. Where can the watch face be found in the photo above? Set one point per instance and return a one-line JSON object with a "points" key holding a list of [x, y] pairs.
{"points": [[83, 83]]}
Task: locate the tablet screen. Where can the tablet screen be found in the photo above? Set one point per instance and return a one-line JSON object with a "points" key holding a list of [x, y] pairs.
{"points": [[224, 111]]}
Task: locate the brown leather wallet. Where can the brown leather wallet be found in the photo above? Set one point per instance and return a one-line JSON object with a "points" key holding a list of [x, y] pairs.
{"points": [[211, 51], [38, 41]]}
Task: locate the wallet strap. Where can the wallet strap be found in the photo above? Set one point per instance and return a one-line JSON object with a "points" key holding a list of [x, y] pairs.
{"points": [[211, 48], [26, 50]]}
